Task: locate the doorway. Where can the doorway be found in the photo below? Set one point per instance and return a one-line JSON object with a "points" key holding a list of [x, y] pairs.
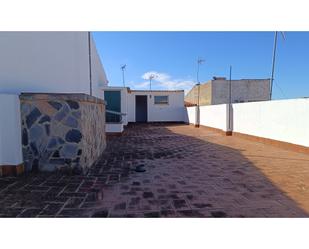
{"points": [[113, 103], [141, 114]]}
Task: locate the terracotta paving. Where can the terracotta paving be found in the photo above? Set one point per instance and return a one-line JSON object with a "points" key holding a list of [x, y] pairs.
{"points": [[189, 172]]}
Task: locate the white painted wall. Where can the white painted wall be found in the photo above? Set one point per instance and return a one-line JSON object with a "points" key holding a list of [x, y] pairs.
{"points": [[173, 112], [10, 130], [214, 116], [190, 115], [283, 120], [55, 62], [99, 79], [113, 127]]}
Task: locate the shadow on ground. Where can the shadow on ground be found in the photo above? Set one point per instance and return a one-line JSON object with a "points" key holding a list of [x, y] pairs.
{"points": [[185, 177]]}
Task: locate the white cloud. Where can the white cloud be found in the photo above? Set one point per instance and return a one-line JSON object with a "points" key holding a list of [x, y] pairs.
{"points": [[142, 85], [164, 81]]}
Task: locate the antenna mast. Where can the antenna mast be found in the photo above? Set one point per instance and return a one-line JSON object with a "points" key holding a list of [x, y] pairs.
{"points": [[123, 67]]}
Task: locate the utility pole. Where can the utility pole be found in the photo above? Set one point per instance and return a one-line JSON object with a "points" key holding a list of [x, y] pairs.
{"points": [[89, 61], [274, 60], [199, 62], [273, 64], [230, 86], [123, 67], [229, 131]]}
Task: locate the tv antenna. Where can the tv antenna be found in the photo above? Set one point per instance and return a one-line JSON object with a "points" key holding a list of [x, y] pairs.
{"points": [[151, 77], [123, 67]]}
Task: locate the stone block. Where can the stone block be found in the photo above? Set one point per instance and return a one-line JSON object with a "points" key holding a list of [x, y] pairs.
{"points": [[71, 122], [69, 151], [73, 104], [62, 131], [32, 117], [73, 136]]}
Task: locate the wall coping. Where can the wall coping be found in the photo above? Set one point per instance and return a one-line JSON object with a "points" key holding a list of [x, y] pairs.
{"points": [[80, 97]]}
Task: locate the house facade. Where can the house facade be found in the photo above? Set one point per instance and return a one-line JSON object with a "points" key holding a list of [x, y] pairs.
{"points": [[141, 106], [155, 106]]}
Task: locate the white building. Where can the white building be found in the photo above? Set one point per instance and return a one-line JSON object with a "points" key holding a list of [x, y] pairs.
{"points": [[155, 106], [50, 62], [42, 62], [142, 106]]}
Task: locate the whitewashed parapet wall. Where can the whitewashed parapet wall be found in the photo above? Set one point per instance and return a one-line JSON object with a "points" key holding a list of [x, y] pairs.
{"points": [[214, 116], [10, 131], [62, 131], [282, 120], [190, 115]]}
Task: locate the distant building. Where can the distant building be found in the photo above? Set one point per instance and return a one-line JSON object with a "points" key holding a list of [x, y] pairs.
{"points": [[216, 91], [125, 106]]}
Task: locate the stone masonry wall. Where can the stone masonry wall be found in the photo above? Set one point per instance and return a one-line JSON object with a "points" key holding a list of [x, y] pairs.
{"points": [[93, 127], [62, 131]]}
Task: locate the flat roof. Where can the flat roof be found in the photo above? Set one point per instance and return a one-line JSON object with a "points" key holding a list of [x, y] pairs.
{"points": [[151, 91], [210, 81], [240, 79]]}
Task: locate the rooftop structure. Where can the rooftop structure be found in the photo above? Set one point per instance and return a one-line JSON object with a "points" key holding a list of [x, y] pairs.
{"points": [[216, 91]]}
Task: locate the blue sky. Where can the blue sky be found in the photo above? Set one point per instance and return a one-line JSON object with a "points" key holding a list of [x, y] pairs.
{"points": [[173, 55]]}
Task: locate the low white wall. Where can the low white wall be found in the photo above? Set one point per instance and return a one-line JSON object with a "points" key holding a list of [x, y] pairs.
{"points": [[283, 120], [214, 116], [173, 112], [10, 130], [190, 116], [113, 128]]}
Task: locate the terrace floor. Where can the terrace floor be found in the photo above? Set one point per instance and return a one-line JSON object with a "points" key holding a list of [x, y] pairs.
{"points": [[190, 172]]}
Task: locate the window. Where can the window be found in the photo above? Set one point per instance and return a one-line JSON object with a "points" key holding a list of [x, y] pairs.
{"points": [[161, 100]]}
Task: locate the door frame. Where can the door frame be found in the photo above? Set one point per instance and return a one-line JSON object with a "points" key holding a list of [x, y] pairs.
{"points": [[146, 97]]}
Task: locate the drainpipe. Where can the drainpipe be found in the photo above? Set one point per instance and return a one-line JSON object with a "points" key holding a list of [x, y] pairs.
{"points": [[90, 70]]}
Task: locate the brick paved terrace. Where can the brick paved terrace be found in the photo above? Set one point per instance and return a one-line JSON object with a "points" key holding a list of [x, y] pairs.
{"points": [[190, 172]]}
